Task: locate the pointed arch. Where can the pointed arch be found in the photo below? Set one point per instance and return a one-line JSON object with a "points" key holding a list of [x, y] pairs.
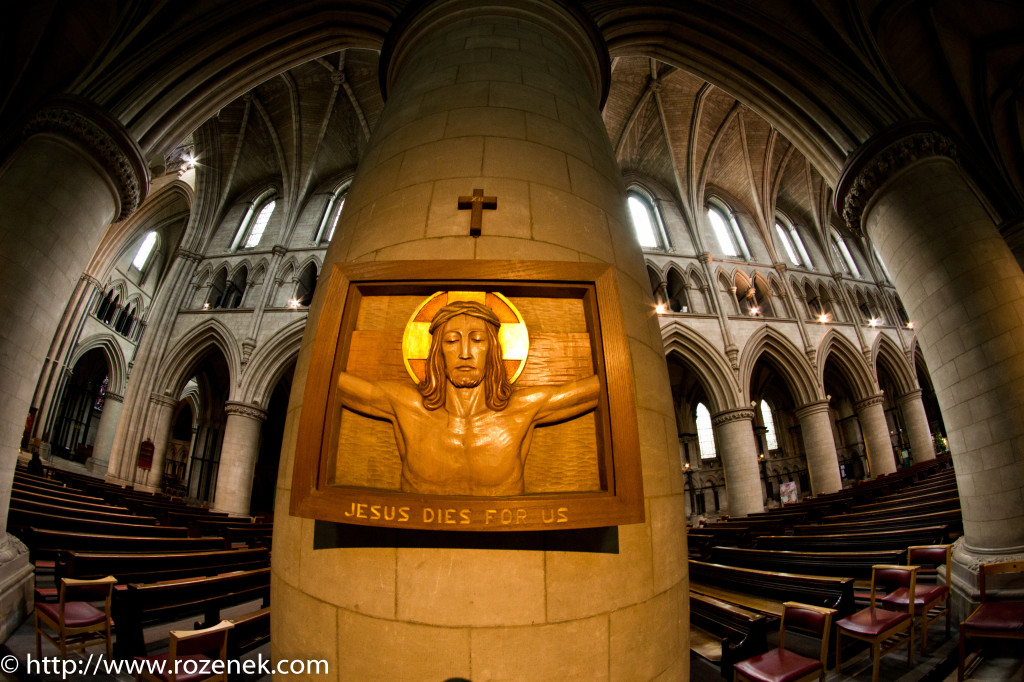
{"points": [[850, 362], [713, 369], [699, 302], [885, 352], [793, 366], [181, 361], [117, 366], [269, 361]]}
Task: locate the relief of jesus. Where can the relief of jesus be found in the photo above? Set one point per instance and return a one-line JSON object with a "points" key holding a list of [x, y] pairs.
{"points": [[464, 429]]}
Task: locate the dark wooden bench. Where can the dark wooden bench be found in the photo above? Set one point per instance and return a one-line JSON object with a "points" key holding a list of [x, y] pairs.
{"points": [[855, 565], [857, 541], [737, 536], [143, 604], [250, 535], [724, 634], [906, 500], [150, 567], [65, 502], [45, 544], [19, 520], [251, 631], [952, 519], [765, 591], [59, 493], [34, 507], [898, 512]]}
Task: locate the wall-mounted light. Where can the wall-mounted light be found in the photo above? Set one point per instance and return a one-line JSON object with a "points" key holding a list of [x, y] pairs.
{"points": [[824, 317], [754, 311], [206, 305], [873, 322], [660, 308], [293, 304], [910, 325]]}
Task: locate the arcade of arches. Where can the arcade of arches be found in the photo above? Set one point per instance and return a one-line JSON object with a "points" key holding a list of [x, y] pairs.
{"points": [[817, 247]]}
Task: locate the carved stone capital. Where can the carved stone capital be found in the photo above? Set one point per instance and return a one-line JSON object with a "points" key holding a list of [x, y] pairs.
{"points": [[279, 250], [116, 397], [909, 396], [89, 279], [838, 277], [188, 255], [781, 268], [104, 139], [738, 414], [163, 400], [880, 159], [861, 405], [232, 407], [807, 410], [704, 257]]}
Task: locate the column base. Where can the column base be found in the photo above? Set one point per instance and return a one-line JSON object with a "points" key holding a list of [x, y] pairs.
{"points": [[966, 592], [17, 586]]}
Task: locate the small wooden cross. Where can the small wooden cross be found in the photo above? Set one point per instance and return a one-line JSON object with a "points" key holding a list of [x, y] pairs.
{"points": [[477, 203]]}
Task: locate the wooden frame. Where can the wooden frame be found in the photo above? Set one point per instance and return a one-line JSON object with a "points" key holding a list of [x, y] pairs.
{"points": [[618, 498]]}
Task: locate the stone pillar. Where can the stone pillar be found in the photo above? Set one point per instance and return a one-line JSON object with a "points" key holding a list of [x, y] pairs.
{"points": [[734, 438], [964, 291], [922, 447], [75, 172], [238, 454], [820, 447], [875, 430], [502, 96], [112, 403], [158, 430]]}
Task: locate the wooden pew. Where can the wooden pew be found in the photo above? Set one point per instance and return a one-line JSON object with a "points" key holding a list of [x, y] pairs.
{"points": [[765, 591], [906, 500], [18, 520], [856, 541], [153, 567], [251, 631], [898, 512], [723, 633], [59, 493], [952, 519], [250, 535], [855, 565], [68, 503], [736, 536], [45, 544], [33, 507], [145, 604]]}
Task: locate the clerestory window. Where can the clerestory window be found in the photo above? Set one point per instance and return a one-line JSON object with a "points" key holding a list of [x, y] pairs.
{"points": [[705, 433], [646, 221]]}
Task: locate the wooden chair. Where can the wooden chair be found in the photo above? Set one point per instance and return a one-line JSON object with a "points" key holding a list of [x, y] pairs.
{"points": [[931, 600], [881, 628], [75, 622], [783, 665], [994, 618], [190, 653]]}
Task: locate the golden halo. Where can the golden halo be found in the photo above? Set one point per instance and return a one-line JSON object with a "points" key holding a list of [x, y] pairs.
{"points": [[514, 338]]}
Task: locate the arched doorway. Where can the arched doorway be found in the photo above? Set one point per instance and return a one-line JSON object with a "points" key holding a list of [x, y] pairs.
{"points": [[81, 406], [264, 480]]}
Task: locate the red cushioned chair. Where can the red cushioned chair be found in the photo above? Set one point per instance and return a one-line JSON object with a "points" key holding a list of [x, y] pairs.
{"points": [[783, 665], [190, 654], [993, 618], [881, 628], [931, 600], [75, 622]]}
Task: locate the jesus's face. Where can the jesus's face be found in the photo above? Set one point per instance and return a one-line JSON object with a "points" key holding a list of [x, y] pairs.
{"points": [[464, 344]]}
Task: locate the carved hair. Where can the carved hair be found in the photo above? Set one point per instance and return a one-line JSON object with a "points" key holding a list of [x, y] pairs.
{"points": [[497, 389]]}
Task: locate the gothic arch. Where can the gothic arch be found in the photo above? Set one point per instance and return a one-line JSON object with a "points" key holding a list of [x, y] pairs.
{"points": [[885, 352], [116, 364], [181, 360], [791, 363], [269, 360], [713, 368], [850, 363]]}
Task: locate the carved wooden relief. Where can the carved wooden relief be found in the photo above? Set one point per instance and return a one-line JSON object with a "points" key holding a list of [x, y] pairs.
{"points": [[469, 395]]}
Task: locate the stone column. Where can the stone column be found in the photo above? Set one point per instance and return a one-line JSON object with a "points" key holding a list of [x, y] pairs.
{"points": [[922, 447], [734, 438], [112, 403], [75, 171], [502, 96], [964, 291], [875, 430], [820, 447], [158, 430], [238, 454]]}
